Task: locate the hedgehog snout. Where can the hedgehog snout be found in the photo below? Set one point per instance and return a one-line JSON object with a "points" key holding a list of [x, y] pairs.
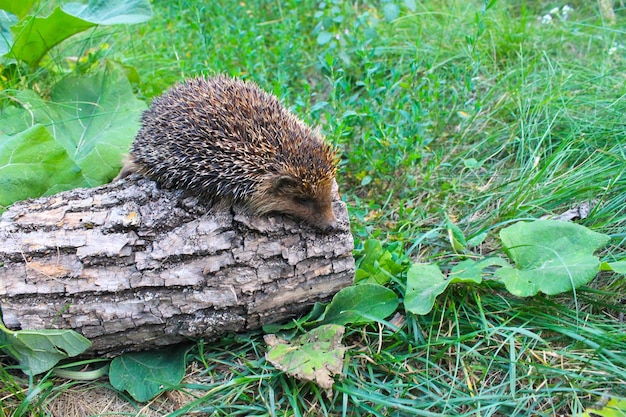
{"points": [[328, 221], [328, 227], [317, 209], [318, 213]]}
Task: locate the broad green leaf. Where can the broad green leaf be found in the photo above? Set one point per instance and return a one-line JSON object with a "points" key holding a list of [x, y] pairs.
{"points": [[411, 5], [33, 37], [472, 163], [362, 303], [144, 375], [315, 356], [324, 37], [425, 282], [554, 277], [525, 242], [94, 118], [615, 407], [472, 271], [619, 267], [32, 164], [6, 37], [391, 11], [19, 8], [111, 12], [550, 256], [477, 240], [38, 351]]}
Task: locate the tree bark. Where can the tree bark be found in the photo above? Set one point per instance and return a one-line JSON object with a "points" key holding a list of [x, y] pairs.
{"points": [[132, 267]]}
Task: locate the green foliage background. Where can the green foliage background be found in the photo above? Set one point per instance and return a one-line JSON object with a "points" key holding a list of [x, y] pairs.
{"points": [[454, 119]]}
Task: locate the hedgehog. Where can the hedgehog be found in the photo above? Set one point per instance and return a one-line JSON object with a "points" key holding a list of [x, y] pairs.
{"points": [[226, 140]]}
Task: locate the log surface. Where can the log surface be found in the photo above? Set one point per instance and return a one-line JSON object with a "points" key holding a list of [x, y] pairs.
{"points": [[132, 267]]}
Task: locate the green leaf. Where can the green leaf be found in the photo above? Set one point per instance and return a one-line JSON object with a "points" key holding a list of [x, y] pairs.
{"points": [[411, 5], [372, 250], [111, 12], [94, 118], [315, 356], [550, 256], [19, 8], [32, 164], [472, 271], [615, 407], [477, 240], [456, 237], [391, 11], [471, 163], [362, 303], [293, 325], [6, 37], [425, 282], [38, 351], [377, 265], [144, 375], [324, 37], [34, 37], [618, 267]]}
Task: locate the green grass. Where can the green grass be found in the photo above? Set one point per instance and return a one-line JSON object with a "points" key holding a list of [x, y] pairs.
{"points": [[483, 115]]}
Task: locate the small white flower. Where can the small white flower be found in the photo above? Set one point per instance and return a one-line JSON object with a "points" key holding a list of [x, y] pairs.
{"points": [[565, 11], [554, 11], [546, 19], [615, 47]]}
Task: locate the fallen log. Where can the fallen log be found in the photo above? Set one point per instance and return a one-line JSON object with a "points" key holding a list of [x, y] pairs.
{"points": [[133, 267]]}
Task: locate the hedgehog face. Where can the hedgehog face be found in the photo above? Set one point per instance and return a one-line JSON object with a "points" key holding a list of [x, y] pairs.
{"points": [[291, 196]]}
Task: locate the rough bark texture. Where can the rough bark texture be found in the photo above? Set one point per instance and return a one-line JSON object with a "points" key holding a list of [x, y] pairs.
{"points": [[131, 266]]}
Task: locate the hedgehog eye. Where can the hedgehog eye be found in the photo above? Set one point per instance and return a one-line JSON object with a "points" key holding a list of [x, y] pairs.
{"points": [[304, 201], [284, 182]]}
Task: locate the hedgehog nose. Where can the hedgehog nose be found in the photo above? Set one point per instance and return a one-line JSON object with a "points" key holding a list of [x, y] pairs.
{"points": [[326, 219], [330, 226], [329, 223]]}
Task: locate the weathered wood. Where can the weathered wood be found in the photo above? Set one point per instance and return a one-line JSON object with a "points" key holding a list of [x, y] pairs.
{"points": [[131, 266]]}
